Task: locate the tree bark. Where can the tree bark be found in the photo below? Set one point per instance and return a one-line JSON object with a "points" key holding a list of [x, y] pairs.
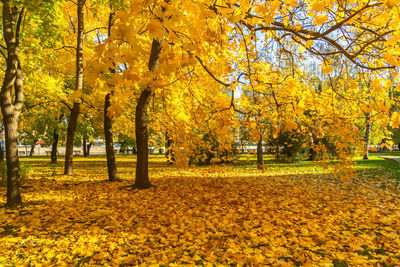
{"points": [[169, 153], [312, 154], [13, 176], [142, 164], [260, 159], [78, 86], [12, 99], [88, 148], [84, 147], [367, 136], [54, 147], [112, 167], [108, 134], [32, 149], [69, 148], [1, 153]]}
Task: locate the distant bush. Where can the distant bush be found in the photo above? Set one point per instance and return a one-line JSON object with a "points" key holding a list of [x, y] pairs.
{"points": [[290, 146], [212, 152], [25, 171]]}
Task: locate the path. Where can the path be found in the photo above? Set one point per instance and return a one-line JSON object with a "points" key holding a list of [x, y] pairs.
{"points": [[391, 157]]}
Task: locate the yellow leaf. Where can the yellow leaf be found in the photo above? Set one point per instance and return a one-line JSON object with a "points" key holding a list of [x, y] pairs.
{"points": [[318, 6], [268, 19], [155, 29], [327, 69], [391, 3], [291, 125], [275, 135], [321, 19], [309, 43], [253, 125]]}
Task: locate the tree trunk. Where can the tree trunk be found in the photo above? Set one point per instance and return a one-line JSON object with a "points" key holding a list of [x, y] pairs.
{"points": [[84, 147], [167, 146], [88, 148], [142, 174], [13, 175], [142, 164], [169, 153], [122, 147], [367, 135], [69, 147], [78, 86], [12, 99], [1, 153], [260, 159], [112, 167], [32, 149], [108, 134], [54, 147], [312, 154]]}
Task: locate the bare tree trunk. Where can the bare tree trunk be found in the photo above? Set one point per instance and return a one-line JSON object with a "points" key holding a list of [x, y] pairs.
{"points": [[312, 153], [142, 175], [88, 148], [69, 148], [142, 164], [13, 175], [54, 146], [108, 134], [78, 86], [12, 100], [367, 135], [84, 147], [260, 159], [112, 167], [1, 145], [32, 149], [169, 153], [1, 153]]}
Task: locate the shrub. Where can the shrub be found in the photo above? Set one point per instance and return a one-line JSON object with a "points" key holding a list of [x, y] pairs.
{"points": [[211, 152], [289, 146]]}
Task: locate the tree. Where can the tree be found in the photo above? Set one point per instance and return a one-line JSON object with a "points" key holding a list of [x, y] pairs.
{"points": [[156, 73], [11, 107], [180, 53], [78, 87], [108, 132]]}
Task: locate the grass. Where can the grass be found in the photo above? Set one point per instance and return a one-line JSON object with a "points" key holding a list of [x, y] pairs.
{"points": [[375, 167]]}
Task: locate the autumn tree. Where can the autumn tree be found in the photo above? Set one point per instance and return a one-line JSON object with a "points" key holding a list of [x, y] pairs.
{"points": [[12, 107], [167, 51], [158, 32], [108, 120], [14, 15], [73, 118]]}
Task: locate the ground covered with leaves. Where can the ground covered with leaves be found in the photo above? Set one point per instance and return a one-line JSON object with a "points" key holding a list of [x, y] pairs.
{"points": [[285, 215]]}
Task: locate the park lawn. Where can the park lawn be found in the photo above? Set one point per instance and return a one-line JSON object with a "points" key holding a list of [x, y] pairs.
{"points": [[284, 215]]}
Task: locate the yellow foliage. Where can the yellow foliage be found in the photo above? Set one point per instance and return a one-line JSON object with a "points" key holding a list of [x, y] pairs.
{"points": [[327, 69], [321, 19], [291, 125]]}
